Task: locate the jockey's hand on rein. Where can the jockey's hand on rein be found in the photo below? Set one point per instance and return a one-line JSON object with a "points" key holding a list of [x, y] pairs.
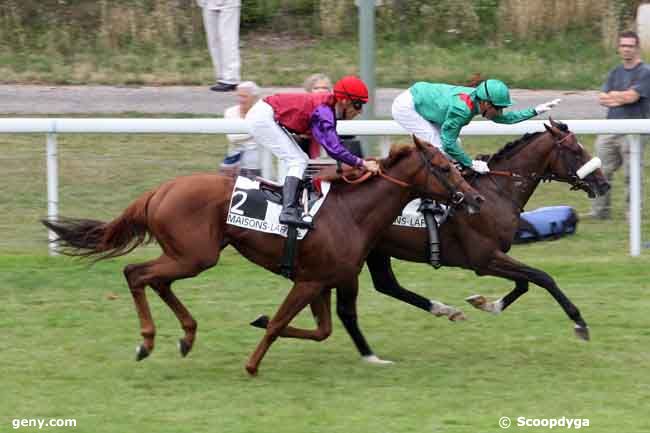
{"points": [[480, 167], [371, 166], [543, 108]]}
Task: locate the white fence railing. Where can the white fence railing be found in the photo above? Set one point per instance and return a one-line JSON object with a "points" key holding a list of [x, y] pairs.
{"points": [[53, 126]]}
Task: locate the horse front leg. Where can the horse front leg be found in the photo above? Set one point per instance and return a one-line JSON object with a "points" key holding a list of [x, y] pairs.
{"points": [[505, 266], [298, 298], [385, 282], [321, 309], [346, 309], [496, 307], [322, 312]]}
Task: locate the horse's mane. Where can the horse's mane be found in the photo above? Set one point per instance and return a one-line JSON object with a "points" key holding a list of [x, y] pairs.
{"points": [[514, 146], [397, 152]]}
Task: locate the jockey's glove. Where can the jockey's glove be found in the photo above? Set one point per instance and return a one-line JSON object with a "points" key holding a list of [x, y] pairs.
{"points": [[480, 166], [543, 108]]}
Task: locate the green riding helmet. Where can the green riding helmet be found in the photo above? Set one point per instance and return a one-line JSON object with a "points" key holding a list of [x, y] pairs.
{"points": [[494, 91]]}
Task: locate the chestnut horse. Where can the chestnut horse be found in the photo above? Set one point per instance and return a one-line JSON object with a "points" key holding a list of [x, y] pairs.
{"points": [[480, 243], [187, 217]]}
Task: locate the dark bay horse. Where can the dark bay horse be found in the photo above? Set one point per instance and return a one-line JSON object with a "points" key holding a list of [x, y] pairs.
{"points": [[481, 243], [187, 217]]}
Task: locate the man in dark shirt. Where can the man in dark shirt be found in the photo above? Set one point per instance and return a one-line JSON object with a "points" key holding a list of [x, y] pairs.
{"points": [[626, 94]]}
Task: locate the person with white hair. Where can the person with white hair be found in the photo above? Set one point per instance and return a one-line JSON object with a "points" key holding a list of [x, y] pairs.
{"points": [[317, 83], [243, 156]]}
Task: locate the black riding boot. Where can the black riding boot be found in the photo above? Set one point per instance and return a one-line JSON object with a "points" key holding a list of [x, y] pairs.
{"points": [[290, 214]]}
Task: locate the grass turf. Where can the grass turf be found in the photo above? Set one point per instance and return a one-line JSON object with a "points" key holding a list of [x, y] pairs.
{"points": [[69, 330]]}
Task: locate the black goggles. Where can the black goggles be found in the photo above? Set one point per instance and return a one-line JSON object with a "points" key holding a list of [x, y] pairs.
{"points": [[357, 104]]}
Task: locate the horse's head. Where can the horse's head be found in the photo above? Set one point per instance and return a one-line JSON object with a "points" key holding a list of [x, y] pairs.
{"points": [[570, 162], [433, 176]]}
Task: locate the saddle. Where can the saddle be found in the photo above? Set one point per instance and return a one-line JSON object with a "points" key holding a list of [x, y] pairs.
{"points": [[272, 190], [311, 192]]}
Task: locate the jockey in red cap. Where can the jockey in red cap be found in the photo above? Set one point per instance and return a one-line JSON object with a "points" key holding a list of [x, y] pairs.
{"points": [[312, 114]]}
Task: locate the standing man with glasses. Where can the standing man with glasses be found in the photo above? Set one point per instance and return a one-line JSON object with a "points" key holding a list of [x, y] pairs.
{"points": [[626, 94], [272, 119], [436, 113]]}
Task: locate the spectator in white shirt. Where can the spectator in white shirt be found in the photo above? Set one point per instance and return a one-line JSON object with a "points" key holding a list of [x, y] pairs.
{"points": [[243, 154]]}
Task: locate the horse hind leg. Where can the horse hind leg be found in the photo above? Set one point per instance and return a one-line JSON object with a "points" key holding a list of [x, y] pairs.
{"points": [[185, 318], [160, 273], [133, 273]]}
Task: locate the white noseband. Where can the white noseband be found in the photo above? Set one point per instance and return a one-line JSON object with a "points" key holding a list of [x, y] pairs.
{"points": [[592, 165]]}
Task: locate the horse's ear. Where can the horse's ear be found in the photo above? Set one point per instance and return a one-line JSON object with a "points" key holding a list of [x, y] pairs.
{"points": [[559, 125], [418, 143], [553, 130]]}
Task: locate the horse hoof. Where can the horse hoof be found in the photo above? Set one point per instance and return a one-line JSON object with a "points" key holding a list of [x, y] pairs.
{"points": [[183, 347], [582, 332], [457, 316], [477, 301], [374, 359], [251, 369], [141, 353], [260, 322]]}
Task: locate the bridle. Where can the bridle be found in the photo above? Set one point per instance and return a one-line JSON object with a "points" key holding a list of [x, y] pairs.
{"points": [[571, 165], [572, 179], [547, 176], [457, 197]]}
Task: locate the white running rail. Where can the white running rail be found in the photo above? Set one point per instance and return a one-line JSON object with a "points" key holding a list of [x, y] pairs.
{"points": [[53, 126]]}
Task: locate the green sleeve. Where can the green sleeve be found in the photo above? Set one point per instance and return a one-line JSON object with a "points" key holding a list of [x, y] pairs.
{"points": [[515, 116], [449, 131]]}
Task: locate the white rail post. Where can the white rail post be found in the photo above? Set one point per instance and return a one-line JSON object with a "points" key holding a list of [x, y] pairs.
{"points": [[52, 187], [635, 195], [384, 145]]}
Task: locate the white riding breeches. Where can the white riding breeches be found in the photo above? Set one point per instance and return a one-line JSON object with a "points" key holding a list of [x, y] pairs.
{"points": [[404, 113], [269, 134]]}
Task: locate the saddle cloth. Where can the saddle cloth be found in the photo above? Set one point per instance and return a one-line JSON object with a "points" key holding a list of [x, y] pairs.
{"points": [[255, 209], [410, 217]]}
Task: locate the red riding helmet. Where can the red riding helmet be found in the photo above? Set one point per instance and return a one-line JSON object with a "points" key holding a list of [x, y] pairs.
{"points": [[351, 87]]}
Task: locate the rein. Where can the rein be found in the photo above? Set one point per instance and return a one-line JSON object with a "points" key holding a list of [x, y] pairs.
{"points": [[504, 173], [451, 188], [367, 175], [456, 197]]}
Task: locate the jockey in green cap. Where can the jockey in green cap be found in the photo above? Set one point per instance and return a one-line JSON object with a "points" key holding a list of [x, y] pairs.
{"points": [[436, 113]]}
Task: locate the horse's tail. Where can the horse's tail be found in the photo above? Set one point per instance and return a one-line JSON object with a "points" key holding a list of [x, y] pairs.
{"points": [[91, 238]]}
